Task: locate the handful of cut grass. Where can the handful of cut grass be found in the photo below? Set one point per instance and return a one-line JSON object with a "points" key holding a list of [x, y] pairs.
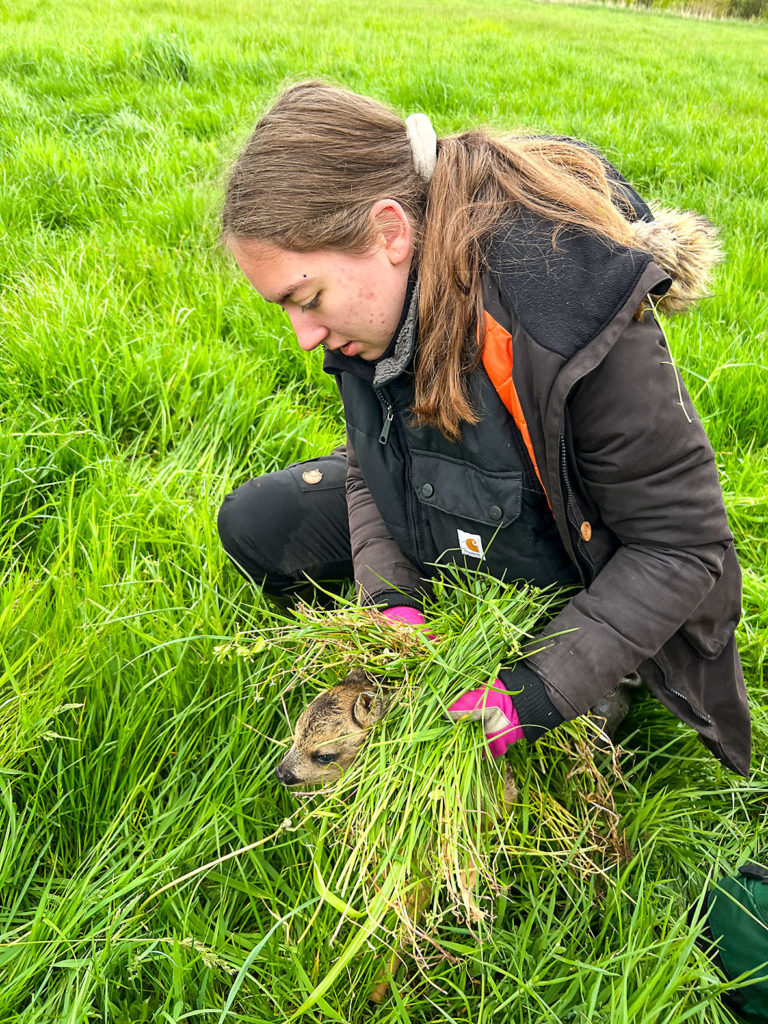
{"points": [[416, 834]]}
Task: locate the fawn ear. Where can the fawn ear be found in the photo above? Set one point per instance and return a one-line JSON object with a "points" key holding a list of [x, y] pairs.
{"points": [[356, 676], [367, 709]]}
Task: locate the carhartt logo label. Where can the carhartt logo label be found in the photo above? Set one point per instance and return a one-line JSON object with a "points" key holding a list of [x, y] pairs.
{"points": [[470, 544], [312, 476]]}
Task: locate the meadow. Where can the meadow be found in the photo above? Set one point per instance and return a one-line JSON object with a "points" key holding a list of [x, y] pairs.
{"points": [[141, 380]]}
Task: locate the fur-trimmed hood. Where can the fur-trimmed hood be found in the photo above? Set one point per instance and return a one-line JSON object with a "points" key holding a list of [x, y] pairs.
{"points": [[687, 247]]}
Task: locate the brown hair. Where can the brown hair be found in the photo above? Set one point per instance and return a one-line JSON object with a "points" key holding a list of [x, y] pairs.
{"points": [[320, 158]]}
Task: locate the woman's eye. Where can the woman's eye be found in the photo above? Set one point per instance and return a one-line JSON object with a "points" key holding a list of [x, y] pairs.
{"points": [[323, 758], [312, 304]]}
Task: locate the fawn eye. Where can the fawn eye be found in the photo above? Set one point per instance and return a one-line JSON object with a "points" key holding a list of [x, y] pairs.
{"points": [[323, 758]]}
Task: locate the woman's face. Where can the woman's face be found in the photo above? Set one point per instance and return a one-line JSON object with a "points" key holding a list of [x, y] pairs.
{"points": [[347, 302]]}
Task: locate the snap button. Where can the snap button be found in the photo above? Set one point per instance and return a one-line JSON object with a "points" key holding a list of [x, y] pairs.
{"points": [[495, 512], [427, 490], [586, 531]]}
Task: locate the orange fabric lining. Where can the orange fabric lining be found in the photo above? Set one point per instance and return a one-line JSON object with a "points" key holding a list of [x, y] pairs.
{"points": [[498, 358]]}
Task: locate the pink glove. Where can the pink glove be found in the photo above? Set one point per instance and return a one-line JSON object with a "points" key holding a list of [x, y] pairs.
{"points": [[497, 713], [402, 613], [493, 708], [411, 616]]}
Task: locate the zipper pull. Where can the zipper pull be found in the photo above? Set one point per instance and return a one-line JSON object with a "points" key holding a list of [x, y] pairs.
{"points": [[387, 425]]}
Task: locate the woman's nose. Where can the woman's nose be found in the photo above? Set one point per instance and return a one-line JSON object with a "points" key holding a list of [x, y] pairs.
{"points": [[309, 333]]}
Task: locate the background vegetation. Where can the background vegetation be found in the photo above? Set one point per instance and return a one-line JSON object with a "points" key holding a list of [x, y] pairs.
{"points": [[747, 9], [140, 380], [750, 10]]}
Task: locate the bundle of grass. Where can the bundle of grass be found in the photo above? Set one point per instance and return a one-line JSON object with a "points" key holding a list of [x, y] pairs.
{"points": [[423, 829]]}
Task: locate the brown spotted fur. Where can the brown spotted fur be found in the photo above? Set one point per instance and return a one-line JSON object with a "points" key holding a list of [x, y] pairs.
{"points": [[336, 722]]}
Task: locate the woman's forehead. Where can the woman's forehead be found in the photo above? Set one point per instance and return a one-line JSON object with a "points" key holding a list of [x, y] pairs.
{"points": [[278, 273], [274, 272]]}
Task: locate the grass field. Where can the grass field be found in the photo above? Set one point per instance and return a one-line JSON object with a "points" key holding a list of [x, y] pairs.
{"points": [[141, 379]]}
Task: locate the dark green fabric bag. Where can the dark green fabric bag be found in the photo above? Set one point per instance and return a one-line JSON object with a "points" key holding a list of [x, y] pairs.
{"points": [[738, 923]]}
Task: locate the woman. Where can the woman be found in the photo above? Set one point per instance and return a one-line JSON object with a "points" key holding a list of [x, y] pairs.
{"points": [[486, 306]]}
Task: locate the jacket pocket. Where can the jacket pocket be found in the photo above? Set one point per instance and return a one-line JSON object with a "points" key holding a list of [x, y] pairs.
{"points": [[479, 496], [472, 516]]}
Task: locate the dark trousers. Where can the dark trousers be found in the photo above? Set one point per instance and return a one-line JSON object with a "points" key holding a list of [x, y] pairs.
{"points": [[285, 527]]}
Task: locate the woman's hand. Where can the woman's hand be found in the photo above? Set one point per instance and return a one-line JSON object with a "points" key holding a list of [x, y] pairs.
{"points": [[490, 704], [404, 613]]}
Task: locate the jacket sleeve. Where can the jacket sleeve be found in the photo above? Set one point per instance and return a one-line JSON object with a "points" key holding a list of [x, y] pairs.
{"points": [[644, 460], [383, 574]]}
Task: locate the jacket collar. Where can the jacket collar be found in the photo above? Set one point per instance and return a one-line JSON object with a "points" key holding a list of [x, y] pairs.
{"points": [[392, 365]]}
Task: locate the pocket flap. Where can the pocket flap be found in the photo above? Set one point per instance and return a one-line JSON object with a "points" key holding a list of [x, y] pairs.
{"points": [[484, 496]]}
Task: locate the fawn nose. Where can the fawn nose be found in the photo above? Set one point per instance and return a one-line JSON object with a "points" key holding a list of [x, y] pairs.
{"points": [[285, 775]]}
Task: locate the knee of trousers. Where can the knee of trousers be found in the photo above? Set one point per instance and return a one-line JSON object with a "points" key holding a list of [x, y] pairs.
{"points": [[275, 527], [252, 528]]}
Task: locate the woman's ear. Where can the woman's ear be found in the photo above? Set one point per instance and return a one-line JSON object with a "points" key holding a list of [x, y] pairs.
{"points": [[393, 229]]}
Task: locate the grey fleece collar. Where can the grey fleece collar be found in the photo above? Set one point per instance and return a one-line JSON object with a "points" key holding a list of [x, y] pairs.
{"points": [[391, 367]]}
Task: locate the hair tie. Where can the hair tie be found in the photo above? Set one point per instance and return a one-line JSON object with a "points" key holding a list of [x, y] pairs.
{"points": [[423, 140]]}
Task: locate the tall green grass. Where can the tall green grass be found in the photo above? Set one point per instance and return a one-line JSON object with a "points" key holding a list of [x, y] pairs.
{"points": [[141, 379]]}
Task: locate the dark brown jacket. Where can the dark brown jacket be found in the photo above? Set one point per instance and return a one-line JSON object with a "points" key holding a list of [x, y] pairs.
{"points": [[625, 464]]}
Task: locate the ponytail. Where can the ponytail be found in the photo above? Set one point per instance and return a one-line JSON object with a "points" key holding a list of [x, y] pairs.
{"points": [[321, 156]]}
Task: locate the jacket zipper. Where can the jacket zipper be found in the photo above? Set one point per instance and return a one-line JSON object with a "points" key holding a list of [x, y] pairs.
{"points": [[389, 415], [414, 527], [684, 699], [569, 511]]}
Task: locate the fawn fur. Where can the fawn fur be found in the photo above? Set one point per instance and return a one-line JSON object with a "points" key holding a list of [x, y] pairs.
{"points": [[328, 735]]}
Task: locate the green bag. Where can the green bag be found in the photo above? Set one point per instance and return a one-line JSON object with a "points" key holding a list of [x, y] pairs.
{"points": [[738, 923]]}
